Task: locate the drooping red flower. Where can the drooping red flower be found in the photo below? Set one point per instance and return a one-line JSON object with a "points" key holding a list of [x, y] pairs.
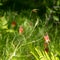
{"points": [[46, 42], [21, 30], [13, 24], [46, 38]]}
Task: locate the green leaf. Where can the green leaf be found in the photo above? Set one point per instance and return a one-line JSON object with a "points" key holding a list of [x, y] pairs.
{"points": [[52, 56], [47, 56], [1, 4], [55, 18], [49, 10], [4, 27], [10, 30], [39, 52], [58, 3], [3, 20], [34, 55]]}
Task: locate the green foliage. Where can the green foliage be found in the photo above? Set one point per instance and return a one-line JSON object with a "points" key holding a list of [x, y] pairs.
{"points": [[3, 23], [29, 44], [41, 55], [55, 18], [1, 4]]}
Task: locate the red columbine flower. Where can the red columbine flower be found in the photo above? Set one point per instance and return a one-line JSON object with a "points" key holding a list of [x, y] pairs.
{"points": [[13, 24], [20, 29], [46, 38]]}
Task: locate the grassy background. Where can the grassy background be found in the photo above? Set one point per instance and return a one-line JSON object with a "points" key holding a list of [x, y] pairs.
{"points": [[36, 19], [15, 46]]}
